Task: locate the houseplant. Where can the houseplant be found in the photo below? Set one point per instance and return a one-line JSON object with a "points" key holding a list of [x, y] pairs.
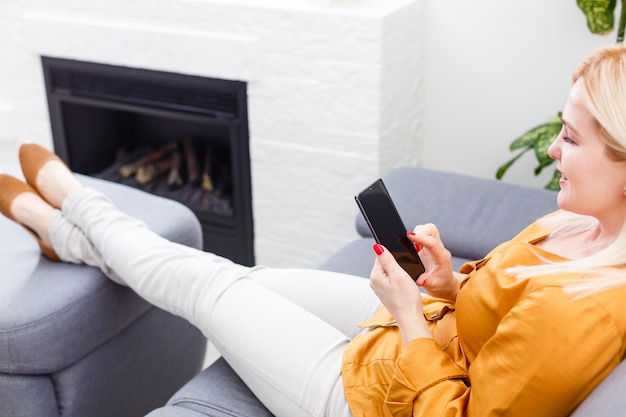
{"points": [[600, 15]]}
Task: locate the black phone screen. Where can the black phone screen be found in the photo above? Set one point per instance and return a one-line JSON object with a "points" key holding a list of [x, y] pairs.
{"points": [[382, 217]]}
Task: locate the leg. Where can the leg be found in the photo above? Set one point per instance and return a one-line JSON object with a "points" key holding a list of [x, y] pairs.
{"points": [[21, 203], [289, 357], [146, 262], [71, 245], [339, 299]]}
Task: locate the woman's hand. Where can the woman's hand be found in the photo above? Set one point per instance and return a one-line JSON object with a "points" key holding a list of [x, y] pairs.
{"points": [[399, 294], [439, 279]]}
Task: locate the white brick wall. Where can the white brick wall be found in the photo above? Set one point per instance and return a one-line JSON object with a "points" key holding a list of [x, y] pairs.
{"points": [[334, 92]]}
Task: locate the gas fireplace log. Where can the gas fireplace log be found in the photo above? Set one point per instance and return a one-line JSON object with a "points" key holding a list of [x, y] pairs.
{"points": [[193, 172], [151, 171], [175, 178], [111, 173], [122, 157], [207, 181], [131, 168]]}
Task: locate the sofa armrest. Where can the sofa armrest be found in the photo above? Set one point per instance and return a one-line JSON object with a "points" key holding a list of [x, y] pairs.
{"points": [[74, 341], [607, 399]]}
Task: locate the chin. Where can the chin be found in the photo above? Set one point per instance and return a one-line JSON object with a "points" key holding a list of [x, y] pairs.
{"points": [[564, 204], [560, 200]]}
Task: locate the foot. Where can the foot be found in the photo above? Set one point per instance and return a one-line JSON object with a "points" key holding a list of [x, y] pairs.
{"points": [[55, 181], [32, 212], [21, 203], [47, 173]]}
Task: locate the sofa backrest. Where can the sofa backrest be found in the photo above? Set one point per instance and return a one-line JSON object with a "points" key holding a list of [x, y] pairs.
{"points": [[473, 214]]}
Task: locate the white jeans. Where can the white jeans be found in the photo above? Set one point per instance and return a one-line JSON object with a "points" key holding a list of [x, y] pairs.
{"points": [[282, 330]]}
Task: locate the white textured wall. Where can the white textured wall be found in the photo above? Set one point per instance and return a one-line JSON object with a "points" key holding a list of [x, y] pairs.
{"points": [[333, 92], [494, 69], [466, 77]]}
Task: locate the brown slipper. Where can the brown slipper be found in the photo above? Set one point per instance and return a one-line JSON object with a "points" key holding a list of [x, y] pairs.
{"points": [[11, 187], [32, 158]]}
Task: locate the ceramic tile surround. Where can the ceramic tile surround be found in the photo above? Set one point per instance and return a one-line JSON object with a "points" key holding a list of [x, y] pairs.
{"points": [[334, 92]]}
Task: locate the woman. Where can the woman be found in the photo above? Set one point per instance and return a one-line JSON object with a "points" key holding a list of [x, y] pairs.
{"points": [[529, 330]]}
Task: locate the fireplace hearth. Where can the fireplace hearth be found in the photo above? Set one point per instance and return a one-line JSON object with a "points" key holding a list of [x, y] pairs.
{"points": [[179, 136]]}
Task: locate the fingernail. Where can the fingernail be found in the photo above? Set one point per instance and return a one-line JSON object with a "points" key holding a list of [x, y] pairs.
{"points": [[417, 247], [378, 249], [410, 233]]}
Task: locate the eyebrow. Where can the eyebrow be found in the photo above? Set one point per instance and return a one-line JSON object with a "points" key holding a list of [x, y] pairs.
{"points": [[569, 126]]}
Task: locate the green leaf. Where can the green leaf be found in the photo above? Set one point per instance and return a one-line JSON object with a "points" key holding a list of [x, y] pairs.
{"points": [[621, 26], [543, 142], [542, 165], [539, 139], [539, 134], [600, 14], [503, 168]]}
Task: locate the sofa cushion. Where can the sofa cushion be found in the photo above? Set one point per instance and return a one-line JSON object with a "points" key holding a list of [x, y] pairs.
{"points": [[215, 392]]}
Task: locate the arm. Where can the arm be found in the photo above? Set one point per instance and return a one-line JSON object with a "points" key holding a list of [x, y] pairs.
{"points": [[399, 294]]}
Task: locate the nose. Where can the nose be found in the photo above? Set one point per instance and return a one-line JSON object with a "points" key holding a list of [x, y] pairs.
{"points": [[554, 150]]}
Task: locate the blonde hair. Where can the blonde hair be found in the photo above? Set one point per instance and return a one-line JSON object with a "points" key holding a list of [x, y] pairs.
{"points": [[603, 75]]}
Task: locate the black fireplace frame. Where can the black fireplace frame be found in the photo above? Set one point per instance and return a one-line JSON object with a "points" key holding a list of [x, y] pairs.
{"points": [[99, 95]]}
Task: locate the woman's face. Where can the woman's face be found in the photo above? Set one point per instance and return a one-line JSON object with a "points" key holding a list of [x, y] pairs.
{"points": [[592, 183]]}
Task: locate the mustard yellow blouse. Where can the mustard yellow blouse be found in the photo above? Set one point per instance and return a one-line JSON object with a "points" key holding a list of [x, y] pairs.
{"points": [[506, 347]]}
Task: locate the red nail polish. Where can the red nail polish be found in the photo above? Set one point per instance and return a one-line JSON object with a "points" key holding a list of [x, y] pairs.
{"points": [[410, 233], [378, 249], [417, 247]]}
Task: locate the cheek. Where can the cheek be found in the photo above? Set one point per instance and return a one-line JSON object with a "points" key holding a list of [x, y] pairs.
{"points": [[604, 184]]}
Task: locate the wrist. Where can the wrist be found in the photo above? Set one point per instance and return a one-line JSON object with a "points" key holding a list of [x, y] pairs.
{"points": [[455, 286], [414, 327]]}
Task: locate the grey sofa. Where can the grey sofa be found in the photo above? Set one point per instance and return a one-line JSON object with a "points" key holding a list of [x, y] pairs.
{"points": [[473, 215], [73, 343]]}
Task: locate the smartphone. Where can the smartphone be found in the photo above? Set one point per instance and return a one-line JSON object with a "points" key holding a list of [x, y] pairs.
{"points": [[384, 221]]}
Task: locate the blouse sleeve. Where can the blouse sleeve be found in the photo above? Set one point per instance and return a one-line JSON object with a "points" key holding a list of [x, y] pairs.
{"points": [[546, 355]]}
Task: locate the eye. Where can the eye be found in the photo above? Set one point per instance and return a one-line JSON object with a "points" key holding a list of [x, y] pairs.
{"points": [[567, 139]]}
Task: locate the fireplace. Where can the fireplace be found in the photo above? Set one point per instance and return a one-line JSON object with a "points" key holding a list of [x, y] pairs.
{"points": [[179, 136]]}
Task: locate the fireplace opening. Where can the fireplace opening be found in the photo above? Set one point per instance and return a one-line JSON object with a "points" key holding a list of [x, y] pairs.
{"points": [[179, 136]]}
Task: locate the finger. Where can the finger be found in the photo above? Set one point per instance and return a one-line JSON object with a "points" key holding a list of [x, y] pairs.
{"points": [[378, 275], [377, 271], [411, 237], [434, 244], [387, 262], [428, 229], [424, 230], [422, 280]]}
